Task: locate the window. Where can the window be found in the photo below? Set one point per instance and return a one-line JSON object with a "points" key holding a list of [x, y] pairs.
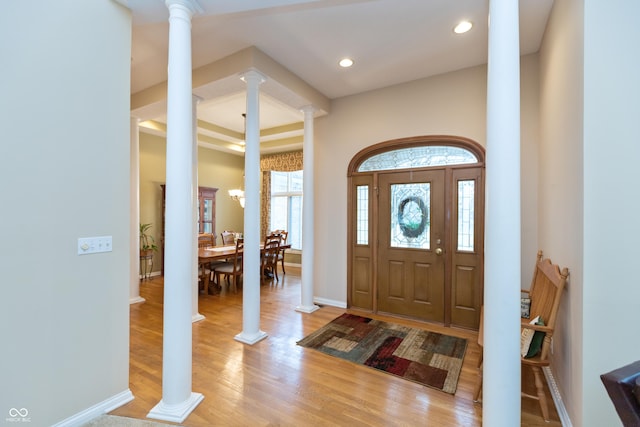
{"points": [[362, 215], [418, 157], [286, 205]]}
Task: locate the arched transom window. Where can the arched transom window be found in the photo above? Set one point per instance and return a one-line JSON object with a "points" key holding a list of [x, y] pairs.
{"points": [[418, 157]]}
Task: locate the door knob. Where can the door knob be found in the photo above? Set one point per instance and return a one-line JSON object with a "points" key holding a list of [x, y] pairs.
{"points": [[438, 251]]}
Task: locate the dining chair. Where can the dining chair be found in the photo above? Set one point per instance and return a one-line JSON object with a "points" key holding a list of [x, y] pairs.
{"points": [[269, 258], [231, 268], [228, 237], [206, 240], [283, 241]]}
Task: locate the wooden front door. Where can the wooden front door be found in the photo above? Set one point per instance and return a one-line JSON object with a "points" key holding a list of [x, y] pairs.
{"points": [[411, 268], [416, 229]]}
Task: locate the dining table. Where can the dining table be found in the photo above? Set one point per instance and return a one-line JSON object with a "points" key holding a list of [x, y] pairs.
{"points": [[220, 253]]}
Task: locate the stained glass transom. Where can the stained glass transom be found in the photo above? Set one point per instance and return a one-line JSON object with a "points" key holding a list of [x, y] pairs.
{"points": [[410, 213], [362, 215], [418, 157], [466, 203]]}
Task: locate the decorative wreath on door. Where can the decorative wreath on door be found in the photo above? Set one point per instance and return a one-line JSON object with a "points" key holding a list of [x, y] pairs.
{"points": [[412, 223]]}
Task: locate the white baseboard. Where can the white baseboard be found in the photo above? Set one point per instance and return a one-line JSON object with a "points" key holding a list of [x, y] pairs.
{"points": [[557, 398], [331, 302], [101, 408]]}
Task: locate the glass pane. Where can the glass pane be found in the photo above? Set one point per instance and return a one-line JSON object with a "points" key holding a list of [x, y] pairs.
{"points": [[410, 213], [207, 227], [362, 215], [295, 227], [279, 214], [466, 202], [208, 210], [418, 157], [296, 181], [279, 181]]}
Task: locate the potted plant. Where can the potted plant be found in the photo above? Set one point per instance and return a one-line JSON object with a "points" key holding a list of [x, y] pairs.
{"points": [[147, 243]]}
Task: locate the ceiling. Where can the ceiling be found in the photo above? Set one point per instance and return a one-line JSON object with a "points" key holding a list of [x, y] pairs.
{"points": [[391, 42]]}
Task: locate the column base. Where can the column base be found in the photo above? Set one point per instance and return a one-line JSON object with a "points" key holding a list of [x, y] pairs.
{"points": [[307, 308], [197, 317], [175, 413], [250, 338], [136, 300]]}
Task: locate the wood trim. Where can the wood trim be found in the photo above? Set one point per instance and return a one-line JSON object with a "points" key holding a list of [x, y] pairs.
{"points": [[394, 144]]}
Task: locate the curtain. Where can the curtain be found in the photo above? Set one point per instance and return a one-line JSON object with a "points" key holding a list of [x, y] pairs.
{"points": [[282, 162]]}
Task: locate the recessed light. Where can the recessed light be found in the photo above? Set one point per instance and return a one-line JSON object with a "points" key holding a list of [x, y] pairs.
{"points": [[346, 62], [462, 27]]}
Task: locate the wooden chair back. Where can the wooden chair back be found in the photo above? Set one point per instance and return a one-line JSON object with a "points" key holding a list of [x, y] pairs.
{"points": [[547, 286], [283, 233], [269, 259], [228, 237], [206, 240]]}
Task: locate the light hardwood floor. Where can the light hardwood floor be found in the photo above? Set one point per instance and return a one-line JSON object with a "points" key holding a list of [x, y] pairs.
{"points": [[277, 383]]}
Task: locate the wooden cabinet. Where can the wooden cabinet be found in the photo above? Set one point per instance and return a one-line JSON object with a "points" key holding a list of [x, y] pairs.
{"points": [[207, 210], [206, 214]]}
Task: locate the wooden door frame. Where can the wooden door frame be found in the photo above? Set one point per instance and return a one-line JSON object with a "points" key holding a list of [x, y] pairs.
{"points": [[370, 267]]}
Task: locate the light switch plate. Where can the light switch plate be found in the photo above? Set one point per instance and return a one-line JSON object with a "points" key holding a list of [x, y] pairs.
{"points": [[92, 245]]}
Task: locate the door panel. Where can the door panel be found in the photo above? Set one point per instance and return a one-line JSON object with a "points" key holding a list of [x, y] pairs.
{"points": [[410, 233]]}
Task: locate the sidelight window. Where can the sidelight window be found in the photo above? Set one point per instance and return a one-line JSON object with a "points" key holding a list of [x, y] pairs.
{"points": [[466, 203], [362, 215]]}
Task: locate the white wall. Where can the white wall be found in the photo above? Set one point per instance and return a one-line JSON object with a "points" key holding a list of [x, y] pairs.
{"points": [[64, 174], [449, 104], [611, 202]]}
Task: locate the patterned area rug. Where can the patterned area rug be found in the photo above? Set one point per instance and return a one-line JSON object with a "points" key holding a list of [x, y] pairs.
{"points": [[428, 358]]}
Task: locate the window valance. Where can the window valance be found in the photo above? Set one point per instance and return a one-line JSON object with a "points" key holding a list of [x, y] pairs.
{"points": [[282, 162]]}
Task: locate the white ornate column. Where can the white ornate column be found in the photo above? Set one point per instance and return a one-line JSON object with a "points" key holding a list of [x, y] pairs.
{"points": [[306, 293], [134, 208], [251, 332], [177, 398], [195, 314], [501, 366]]}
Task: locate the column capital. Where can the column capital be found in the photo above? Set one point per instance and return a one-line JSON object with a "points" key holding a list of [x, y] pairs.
{"points": [[192, 6], [253, 75], [308, 109]]}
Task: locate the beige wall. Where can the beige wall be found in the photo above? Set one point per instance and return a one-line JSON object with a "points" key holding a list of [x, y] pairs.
{"points": [[451, 104], [64, 317], [561, 189], [611, 203], [588, 155], [215, 169]]}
